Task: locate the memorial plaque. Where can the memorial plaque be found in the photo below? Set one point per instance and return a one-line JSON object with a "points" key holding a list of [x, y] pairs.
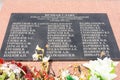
{"points": [[63, 36]]}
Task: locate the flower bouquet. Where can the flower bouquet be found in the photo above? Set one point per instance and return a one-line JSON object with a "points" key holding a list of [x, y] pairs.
{"points": [[11, 70], [17, 71], [100, 69]]}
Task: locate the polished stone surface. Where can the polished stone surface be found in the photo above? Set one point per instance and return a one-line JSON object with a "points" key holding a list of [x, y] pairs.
{"points": [[69, 36]]}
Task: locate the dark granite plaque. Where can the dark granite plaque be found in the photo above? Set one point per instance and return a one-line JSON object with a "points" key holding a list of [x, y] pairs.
{"points": [[68, 36]]}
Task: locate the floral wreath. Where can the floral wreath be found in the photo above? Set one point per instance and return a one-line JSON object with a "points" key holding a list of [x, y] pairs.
{"points": [[100, 69]]}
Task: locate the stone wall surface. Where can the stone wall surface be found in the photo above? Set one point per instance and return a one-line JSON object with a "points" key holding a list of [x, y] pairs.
{"points": [[111, 7]]}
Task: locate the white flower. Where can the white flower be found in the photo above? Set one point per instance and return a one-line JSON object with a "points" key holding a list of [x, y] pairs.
{"points": [[35, 57], [102, 68], [94, 78], [46, 59], [15, 68], [56, 78], [39, 48], [9, 68], [108, 76], [64, 74], [75, 77]]}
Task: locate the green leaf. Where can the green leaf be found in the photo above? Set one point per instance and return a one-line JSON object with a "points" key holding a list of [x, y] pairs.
{"points": [[2, 77], [113, 71], [12, 76], [69, 77]]}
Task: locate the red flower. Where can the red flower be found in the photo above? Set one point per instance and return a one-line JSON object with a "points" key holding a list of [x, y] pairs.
{"points": [[38, 75], [19, 64], [44, 73], [46, 76], [13, 62], [1, 61], [29, 76], [24, 68], [51, 78]]}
